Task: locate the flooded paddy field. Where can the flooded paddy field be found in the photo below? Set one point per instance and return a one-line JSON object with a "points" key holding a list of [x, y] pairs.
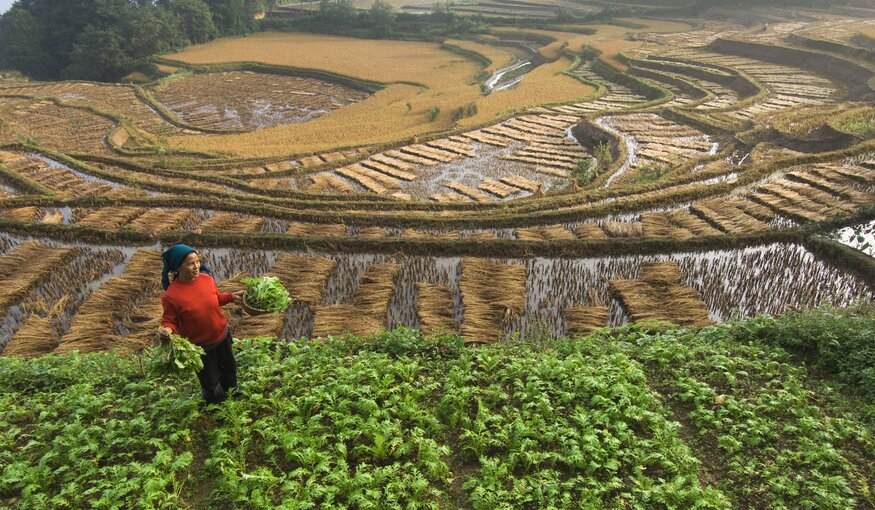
{"points": [[536, 294]]}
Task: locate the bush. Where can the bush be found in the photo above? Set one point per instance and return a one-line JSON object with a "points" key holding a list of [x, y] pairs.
{"points": [[837, 341]]}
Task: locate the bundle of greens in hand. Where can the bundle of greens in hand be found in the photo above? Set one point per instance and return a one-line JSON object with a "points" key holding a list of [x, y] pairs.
{"points": [[266, 293], [176, 355]]}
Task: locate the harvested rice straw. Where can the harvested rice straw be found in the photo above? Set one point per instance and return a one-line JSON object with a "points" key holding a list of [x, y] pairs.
{"points": [[425, 151], [267, 325], [158, 221], [468, 192], [855, 197], [372, 233], [659, 295], [111, 217], [233, 311], [453, 147], [111, 303], [818, 196], [232, 222], [327, 183], [479, 136], [365, 181], [659, 225], [449, 198], [311, 161], [429, 234], [25, 214], [387, 181], [589, 231], [25, 266], [683, 219], [728, 218], [333, 157], [623, 228], [38, 335], [435, 308], [491, 294], [521, 182], [583, 320], [53, 218], [552, 171], [317, 229], [141, 324], [410, 158], [661, 272], [388, 170], [337, 320], [537, 161], [304, 277], [496, 188], [377, 287], [790, 208], [549, 233], [393, 162]]}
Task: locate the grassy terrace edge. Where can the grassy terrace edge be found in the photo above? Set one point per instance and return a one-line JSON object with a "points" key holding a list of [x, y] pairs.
{"points": [[762, 412]]}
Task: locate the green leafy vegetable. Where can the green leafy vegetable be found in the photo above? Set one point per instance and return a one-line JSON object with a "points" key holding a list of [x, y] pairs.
{"points": [[266, 293], [176, 356]]}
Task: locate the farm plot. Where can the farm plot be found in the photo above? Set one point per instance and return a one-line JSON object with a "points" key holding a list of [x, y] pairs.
{"points": [[62, 128], [707, 32], [787, 87], [248, 100], [61, 179], [34, 324], [654, 145], [483, 165], [118, 99], [483, 299], [617, 97]]}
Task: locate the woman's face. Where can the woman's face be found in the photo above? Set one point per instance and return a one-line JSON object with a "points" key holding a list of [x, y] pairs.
{"points": [[190, 268]]}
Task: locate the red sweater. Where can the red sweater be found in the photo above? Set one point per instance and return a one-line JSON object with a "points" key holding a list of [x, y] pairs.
{"points": [[191, 310]]}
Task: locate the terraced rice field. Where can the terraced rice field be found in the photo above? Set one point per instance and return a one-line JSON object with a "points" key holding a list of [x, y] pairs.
{"points": [[248, 100], [585, 196]]}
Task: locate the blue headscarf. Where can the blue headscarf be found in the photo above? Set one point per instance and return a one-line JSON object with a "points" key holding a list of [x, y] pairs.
{"points": [[173, 258]]}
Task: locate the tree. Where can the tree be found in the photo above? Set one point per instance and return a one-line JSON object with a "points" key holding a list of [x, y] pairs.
{"points": [[21, 44], [195, 20], [382, 18], [98, 55], [340, 12], [231, 17]]}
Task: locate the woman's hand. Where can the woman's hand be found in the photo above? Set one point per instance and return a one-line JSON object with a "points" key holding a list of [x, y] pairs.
{"points": [[164, 331], [238, 296]]}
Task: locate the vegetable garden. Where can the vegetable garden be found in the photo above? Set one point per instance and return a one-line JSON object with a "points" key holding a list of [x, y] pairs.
{"points": [[446, 248]]}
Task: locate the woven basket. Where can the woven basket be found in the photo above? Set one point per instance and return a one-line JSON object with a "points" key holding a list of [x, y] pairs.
{"points": [[252, 310]]}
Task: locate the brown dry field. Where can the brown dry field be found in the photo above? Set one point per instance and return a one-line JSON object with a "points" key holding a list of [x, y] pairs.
{"points": [[397, 112], [609, 39], [500, 57]]}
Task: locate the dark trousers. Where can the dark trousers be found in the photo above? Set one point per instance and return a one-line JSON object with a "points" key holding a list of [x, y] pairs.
{"points": [[219, 374]]}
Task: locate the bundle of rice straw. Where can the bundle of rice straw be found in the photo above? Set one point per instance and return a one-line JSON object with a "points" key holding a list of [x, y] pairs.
{"points": [[435, 308], [659, 295], [337, 320], [492, 293], [304, 277]]}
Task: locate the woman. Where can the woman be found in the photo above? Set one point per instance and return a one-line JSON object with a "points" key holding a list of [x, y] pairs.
{"points": [[191, 304]]}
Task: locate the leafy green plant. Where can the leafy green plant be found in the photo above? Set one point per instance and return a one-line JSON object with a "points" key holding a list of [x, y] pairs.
{"points": [[176, 355], [649, 172], [266, 293]]}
